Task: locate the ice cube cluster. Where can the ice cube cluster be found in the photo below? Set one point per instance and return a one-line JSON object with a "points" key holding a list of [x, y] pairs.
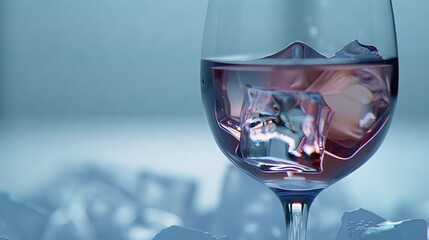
{"points": [[94, 204], [286, 129], [356, 225]]}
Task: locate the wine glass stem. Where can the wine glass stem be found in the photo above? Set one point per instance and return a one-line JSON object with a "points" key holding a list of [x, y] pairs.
{"points": [[296, 214]]}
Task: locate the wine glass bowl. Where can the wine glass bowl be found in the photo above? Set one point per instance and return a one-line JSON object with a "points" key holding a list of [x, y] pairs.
{"points": [[299, 94]]}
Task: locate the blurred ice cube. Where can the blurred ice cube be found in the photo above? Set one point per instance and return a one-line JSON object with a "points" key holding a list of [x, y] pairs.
{"points": [[166, 199], [247, 210], [181, 233], [93, 205], [358, 51], [70, 223], [284, 130], [364, 225], [21, 220], [328, 204]]}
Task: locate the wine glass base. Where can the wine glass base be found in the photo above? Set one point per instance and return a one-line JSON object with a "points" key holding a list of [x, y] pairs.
{"points": [[296, 184], [288, 196]]}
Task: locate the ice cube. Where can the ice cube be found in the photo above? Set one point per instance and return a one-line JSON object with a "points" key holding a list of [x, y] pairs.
{"points": [[284, 130], [181, 233], [94, 205], [90, 203], [358, 51], [359, 97], [169, 194], [230, 81], [364, 225], [251, 218], [297, 50], [353, 50], [20, 219]]}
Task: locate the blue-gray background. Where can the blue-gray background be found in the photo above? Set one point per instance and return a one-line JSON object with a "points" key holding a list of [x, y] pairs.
{"points": [[140, 57], [116, 83]]}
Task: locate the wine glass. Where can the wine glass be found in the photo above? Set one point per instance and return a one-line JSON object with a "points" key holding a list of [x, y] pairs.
{"points": [[299, 93]]}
